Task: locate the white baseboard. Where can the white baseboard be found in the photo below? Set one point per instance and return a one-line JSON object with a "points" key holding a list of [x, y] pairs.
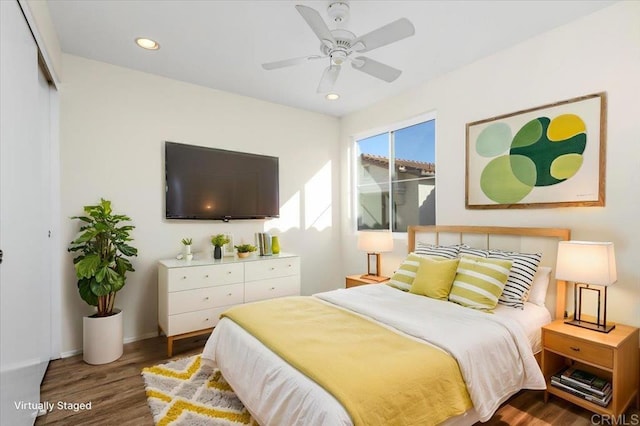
{"points": [[71, 353], [126, 340], [144, 336]]}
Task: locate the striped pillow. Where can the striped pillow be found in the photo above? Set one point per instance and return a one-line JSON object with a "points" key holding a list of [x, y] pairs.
{"points": [[520, 278], [465, 249], [479, 282], [446, 252], [404, 276]]}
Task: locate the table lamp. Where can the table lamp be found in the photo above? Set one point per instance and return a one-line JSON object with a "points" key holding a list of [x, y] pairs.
{"points": [[587, 264], [374, 242]]}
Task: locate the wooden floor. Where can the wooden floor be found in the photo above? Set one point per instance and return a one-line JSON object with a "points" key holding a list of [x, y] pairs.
{"points": [[116, 392]]}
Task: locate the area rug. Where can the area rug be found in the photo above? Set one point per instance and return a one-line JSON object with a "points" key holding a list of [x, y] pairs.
{"points": [[185, 392]]}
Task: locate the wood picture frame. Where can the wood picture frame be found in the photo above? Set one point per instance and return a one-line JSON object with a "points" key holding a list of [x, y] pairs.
{"points": [[548, 156]]}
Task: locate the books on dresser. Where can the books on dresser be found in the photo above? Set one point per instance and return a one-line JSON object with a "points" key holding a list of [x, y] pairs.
{"points": [[583, 384]]}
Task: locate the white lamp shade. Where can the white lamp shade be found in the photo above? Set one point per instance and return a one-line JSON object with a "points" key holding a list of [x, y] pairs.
{"points": [[586, 262], [375, 241]]}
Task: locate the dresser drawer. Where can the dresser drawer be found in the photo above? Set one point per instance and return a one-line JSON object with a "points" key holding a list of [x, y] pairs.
{"points": [[272, 268], [205, 298], [578, 349], [194, 321], [268, 289], [204, 276]]}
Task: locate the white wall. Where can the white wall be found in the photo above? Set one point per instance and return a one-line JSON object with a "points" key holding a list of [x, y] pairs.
{"points": [[600, 52], [113, 125]]}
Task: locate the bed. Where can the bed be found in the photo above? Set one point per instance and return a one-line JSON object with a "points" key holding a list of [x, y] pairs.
{"points": [[493, 367]]}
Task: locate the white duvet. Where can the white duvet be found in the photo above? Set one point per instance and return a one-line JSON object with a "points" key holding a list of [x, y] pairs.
{"points": [[493, 353]]}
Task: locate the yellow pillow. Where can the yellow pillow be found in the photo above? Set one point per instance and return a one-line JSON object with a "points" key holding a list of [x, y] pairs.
{"points": [[434, 278], [479, 282]]}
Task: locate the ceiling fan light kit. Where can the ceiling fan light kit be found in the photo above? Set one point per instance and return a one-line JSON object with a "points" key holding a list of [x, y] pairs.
{"points": [[340, 45]]}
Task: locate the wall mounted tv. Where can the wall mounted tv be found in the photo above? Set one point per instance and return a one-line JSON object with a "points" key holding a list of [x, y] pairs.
{"points": [[216, 184]]}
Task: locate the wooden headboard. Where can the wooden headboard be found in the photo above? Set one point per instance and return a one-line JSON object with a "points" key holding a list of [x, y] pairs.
{"points": [[530, 240]]}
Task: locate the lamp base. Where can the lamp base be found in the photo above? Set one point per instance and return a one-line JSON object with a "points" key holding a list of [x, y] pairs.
{"points": [[602, 328], [375, 278]]}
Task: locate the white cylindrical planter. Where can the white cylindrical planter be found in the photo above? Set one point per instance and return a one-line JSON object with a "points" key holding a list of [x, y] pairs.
{"points": [[102, 338]]}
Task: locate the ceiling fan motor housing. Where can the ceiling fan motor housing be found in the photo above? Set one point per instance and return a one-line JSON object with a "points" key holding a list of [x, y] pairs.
{"points": [[339, 51]]}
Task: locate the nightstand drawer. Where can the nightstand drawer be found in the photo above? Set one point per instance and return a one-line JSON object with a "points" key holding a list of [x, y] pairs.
{"points": [[579, 349]]}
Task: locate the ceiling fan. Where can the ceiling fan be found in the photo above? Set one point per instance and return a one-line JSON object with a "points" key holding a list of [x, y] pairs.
{"points": [[341, 45]]}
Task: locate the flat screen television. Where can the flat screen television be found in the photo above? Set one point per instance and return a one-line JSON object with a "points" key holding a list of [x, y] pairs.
{"points": [[216, 184]]}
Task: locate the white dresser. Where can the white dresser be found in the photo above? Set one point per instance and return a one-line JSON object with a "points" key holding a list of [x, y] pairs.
{"points": [[191, 296]]}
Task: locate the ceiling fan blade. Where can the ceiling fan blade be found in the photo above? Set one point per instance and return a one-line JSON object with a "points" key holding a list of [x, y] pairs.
{"points": [[290, 62], [317, 24], [375, 69], [329, 78], [397, 30]]}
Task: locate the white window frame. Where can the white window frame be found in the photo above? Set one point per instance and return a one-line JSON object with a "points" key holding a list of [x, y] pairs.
{"points": [[354, 161]]}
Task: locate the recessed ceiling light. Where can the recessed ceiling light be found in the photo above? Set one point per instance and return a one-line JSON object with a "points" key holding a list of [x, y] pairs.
{"points": [[147, 43], [332, 96]]}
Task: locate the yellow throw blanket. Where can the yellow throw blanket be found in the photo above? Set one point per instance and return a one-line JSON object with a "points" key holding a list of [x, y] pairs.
{"points": [[379, 376]]}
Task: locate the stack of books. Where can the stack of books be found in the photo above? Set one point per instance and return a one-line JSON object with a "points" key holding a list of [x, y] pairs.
{"points": [[584, 385]]}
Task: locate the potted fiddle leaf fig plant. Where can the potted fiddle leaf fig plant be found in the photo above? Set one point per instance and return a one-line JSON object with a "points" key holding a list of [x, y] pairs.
{"points": [[101, 262], [218, 241]]}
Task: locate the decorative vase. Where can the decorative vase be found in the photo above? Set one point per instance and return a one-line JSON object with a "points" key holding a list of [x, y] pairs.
{"points": [[189, 257], [102, 338], [243, 255], [217, 252], [275, 245], [187, 249]]}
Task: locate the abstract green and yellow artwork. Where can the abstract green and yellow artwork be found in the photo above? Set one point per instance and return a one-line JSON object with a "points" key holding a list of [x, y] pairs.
{"points": [[548, 156]]}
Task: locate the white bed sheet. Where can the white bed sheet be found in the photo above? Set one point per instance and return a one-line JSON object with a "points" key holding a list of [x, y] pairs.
{"points": [[531, 319], [277, 394]]}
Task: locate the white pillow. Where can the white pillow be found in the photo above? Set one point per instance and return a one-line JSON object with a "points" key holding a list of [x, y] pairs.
{"points": [[538, 292]]}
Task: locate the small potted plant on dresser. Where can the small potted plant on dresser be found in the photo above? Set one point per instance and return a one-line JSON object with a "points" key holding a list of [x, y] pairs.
{"points": [[218, 241], [244, 250], [186, 242], [102, 248]]}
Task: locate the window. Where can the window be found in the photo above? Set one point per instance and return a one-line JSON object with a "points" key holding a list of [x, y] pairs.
{"points": [[396, 177]]}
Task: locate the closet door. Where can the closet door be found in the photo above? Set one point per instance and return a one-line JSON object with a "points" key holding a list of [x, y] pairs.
{"points": [[25, 203]]}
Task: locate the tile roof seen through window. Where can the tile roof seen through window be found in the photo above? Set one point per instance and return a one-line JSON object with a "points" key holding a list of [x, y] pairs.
{"points": [[419, 168]]}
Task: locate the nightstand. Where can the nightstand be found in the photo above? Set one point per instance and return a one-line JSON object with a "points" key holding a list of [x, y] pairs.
{"points": [[356, 280], [612, 356]]}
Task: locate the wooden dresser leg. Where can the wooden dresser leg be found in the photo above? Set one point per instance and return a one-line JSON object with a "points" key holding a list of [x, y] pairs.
{"points": [[169, 347]]}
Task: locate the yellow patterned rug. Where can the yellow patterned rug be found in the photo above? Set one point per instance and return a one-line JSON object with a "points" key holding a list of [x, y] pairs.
{"points": [[185, 392]]}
